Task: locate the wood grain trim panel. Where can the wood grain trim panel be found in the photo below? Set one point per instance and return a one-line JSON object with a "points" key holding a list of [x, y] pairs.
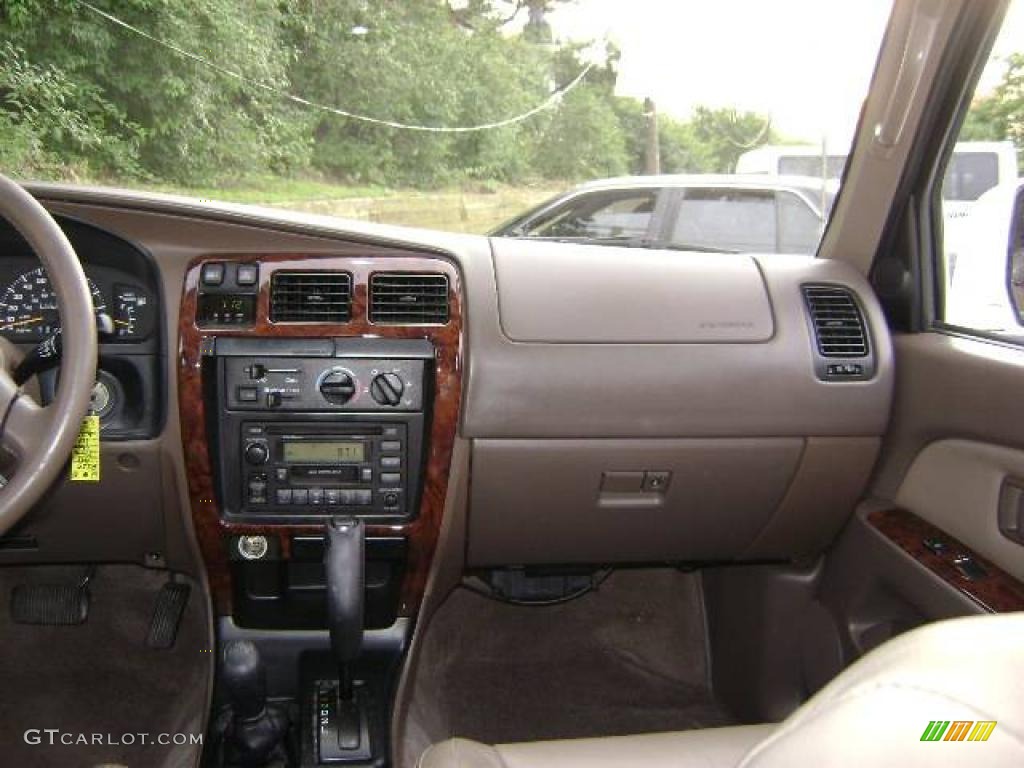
{"points": [[361, 261], [997, 591]]}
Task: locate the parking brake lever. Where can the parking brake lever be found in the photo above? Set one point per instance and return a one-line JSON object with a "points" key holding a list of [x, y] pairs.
{"points": [[47, 353]]}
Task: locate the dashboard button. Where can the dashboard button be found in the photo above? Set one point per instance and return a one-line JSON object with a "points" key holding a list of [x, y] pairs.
{"points": [[284, 495], [390, 499], [316, 496], [347, 497], [390, 478], [390, 462], [332, 496], [248, 394], [364, 498], [366, 475], [213, 274], [390, 445], [300, 496], [248, 274]]}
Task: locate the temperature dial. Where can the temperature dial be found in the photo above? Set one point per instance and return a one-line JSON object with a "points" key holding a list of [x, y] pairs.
{"points": [[338, 387], [387, 388]]}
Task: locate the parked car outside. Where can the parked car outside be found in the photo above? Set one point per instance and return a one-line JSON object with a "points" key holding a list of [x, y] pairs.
{"points": [[728, 213], [979, 294]]}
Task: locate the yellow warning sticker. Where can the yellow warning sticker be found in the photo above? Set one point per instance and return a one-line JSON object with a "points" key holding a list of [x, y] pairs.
{"points": [[85, 456]]}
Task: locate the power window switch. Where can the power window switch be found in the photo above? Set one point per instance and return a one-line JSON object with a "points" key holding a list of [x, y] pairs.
{"points": [[969, 568], [935, 545]]}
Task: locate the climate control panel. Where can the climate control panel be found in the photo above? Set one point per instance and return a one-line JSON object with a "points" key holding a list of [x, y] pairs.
{"points": [[309, 429], [309, 384]]}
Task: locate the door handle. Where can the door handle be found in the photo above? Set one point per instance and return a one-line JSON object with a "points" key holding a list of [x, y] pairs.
{"points": [[1011, 510]]}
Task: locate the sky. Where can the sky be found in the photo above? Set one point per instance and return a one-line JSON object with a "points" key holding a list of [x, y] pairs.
{"points": [[806, 63]]}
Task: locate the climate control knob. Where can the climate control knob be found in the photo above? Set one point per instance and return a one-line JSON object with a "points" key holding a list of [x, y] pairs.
{"points": [[257, 453], [338, 387], [387, 388]]}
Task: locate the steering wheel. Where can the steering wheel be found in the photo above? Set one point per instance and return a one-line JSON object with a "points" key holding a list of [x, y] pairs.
{"points": [[41, 439]]}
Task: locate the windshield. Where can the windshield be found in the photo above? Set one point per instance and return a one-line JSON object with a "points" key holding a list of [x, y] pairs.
{"points": [[453, 114]]}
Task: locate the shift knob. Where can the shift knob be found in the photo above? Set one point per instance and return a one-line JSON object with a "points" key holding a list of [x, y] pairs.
{"points": [[245, 678], [343, 562]]}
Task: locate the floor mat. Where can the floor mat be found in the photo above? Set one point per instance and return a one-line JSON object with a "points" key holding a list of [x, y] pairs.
{"points": [[627, 658], [100, 678]]}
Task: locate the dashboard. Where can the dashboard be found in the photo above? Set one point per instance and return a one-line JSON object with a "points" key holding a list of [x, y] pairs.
{"points": [[126, 296], [709, 414]]}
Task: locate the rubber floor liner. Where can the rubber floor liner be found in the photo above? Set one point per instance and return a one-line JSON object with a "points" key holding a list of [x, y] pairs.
{"points": [[52, 604], [170, 605]]}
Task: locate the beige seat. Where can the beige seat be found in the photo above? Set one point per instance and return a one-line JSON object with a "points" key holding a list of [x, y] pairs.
{"points": [[873, 714]]}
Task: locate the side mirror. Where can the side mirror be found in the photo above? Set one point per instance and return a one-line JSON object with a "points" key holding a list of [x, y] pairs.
{"points": [[1015, 259]]}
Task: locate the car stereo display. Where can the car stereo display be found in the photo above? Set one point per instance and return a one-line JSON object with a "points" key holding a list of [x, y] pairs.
{"points": [[322, 451]]}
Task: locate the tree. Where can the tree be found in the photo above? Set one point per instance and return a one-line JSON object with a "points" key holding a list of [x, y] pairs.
{"points": [[725, 134], [1000, 116]]}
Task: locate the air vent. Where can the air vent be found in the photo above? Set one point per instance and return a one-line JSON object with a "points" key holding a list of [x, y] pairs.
{"points": [[407, 298], [311, 297], [838, 324]]}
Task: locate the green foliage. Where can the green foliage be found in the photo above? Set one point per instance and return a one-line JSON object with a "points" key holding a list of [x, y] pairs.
{"points": [[1000, 116], [583, 139], [49, 121], [82, 98]]}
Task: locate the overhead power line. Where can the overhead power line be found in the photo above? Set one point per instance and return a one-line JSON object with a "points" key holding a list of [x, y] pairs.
{"points": [[548, 103]]}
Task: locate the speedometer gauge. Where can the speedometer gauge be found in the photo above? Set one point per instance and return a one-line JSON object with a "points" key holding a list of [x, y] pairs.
{"points": [[28, 307]]}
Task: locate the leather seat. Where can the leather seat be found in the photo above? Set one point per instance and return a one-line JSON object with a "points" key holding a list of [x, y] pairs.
{"points": [[874, 713]]}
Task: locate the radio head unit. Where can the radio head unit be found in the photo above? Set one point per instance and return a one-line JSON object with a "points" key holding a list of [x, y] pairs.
{"points": [[302, 437]]}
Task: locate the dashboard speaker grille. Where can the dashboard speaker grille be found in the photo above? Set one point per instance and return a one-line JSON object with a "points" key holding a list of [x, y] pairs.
{"points": [[311, 297], [837, 320], [409, 299]]}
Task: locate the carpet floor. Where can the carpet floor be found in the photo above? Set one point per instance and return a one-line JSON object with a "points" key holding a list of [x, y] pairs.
{"points": [[627, 658], [100, 677]]}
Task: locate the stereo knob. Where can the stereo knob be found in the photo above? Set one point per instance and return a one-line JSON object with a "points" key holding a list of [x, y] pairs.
{"points": [[387, 388], [257, 453], [338, 387]]}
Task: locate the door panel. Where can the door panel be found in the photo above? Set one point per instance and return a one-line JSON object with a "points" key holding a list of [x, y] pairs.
{"points": [[956, 485], [954, 439]]}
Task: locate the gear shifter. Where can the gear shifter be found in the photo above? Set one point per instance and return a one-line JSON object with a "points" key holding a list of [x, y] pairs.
{"points": [[254, 730], [344, 729]]}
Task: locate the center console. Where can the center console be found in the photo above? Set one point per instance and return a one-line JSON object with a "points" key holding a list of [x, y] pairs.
{"points": [[319, 397], [312, 429]]}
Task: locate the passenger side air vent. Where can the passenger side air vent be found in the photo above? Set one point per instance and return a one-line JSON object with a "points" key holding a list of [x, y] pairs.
{"points": [[838, 325], [408, 298], [311, 297]]}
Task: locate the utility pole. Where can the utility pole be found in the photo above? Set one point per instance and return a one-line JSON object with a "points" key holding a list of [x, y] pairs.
{"points": [[652, 151]]}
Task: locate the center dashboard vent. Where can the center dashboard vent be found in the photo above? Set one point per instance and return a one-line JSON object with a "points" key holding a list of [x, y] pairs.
{"points": [[311, 297], [837, 320], [408, 298]]}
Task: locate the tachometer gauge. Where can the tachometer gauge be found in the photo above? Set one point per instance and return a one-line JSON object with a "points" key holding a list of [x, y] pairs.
{"points": [[28, 307]]}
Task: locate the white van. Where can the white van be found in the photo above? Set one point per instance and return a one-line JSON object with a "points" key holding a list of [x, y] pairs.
{"points": [[976, 167]]}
